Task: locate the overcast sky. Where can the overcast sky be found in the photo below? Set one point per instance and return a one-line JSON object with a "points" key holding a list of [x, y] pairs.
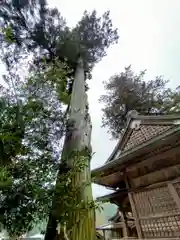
{"points": [[149, 39]]}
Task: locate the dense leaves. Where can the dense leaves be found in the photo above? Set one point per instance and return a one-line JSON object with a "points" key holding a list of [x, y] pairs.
{"points": [[31, 149], [35, 28], [129, 91]]}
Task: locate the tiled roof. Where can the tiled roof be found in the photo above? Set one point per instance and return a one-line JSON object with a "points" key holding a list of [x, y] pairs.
{"points": [[144, 133], [141, 135], [139, 129]]}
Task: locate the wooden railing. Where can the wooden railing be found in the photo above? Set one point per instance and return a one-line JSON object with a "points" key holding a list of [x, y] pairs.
{"points": [[157, 211]]}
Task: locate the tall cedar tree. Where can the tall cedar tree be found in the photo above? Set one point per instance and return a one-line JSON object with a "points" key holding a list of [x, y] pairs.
{"points": [[30, 28], [129, 91]]}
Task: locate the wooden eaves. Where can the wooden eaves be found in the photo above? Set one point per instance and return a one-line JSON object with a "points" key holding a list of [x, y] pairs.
{"points": [[126, 157]]}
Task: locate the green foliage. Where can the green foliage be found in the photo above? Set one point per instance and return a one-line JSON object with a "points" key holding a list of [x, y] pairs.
{"points": [[44, 33], [11, 131], [54, 74], [8, 34], [127, 91], [89, 39], [30, 134], [5, 178], [39, 228]]}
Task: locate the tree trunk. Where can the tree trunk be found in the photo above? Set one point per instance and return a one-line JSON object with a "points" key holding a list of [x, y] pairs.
{"points": [[78, 139]]}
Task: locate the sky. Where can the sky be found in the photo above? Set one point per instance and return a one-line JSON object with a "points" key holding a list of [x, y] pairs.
{"points": [[149, 39]]}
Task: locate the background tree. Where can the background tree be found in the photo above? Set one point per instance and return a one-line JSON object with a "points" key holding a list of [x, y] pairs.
{"points": [[129, 91]]}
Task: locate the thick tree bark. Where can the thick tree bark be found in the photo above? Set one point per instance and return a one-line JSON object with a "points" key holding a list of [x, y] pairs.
{"points": [[78, 138]]}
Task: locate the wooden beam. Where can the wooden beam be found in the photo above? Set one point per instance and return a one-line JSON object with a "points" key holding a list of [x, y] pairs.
{"points": [[174, 194], [167, 154], [159, 119], [158, 184], [131, 154], [160, 215], [125, 228], [137, 222], [155, 122], [104, 235], [113, 195], [164, 174], [152, 163], [133, 207]]}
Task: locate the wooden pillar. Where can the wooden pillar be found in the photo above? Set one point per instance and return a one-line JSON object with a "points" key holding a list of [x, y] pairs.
{"points": [[125, 227], [137, 222], [176, 198], [174, 194], [133, 207], [104, 235]]}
